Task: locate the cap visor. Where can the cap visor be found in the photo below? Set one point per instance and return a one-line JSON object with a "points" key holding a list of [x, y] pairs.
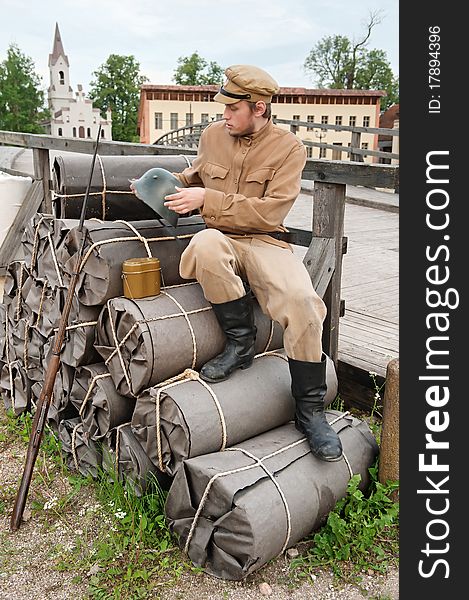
{"points": [[219, 97]]}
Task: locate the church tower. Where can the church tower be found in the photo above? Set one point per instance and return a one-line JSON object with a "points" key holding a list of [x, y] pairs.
{"points": [[71, 116], [60, 91]]}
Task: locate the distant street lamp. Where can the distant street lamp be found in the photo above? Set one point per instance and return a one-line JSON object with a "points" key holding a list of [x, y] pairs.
{"points": [[320, 134]]}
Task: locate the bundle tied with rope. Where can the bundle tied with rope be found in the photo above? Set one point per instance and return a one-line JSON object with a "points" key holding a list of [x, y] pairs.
{"points": [[82, 454], [109, 245], [186, 417], [110, 197], [233, 511], [99, 405], [124, 457], [145, 342], [42, 245]]}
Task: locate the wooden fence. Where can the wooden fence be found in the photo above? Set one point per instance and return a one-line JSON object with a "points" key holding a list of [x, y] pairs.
{"points": [[325, 242], [188, 137]]}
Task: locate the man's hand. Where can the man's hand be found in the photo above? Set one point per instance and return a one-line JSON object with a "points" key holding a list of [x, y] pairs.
{"points": [[186, 199]]}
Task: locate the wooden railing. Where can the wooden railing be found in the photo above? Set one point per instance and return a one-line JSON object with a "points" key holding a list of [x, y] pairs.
{"points": [[325, 241], [188, 137]]}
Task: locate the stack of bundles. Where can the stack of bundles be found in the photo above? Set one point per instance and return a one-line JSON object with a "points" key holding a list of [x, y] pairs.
{"points": [[34, 298], [188, 417], [110, 196], [222, 505], [109, 244], [144, 342]]}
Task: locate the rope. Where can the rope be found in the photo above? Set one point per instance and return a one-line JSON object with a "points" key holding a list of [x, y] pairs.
{"points": [[103, 191], [271, 335], [140, 237], [130, 239], [74, 441], [78, 325], [54, 258], [258, 462], [36, 241], [7, 356], [187, 375], [17, 312], [88, 393], [186, 314]]}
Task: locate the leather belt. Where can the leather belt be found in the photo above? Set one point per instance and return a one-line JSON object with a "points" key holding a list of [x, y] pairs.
{"points": [[283, 236]]}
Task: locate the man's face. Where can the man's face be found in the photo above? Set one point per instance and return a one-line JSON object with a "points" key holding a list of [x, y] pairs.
{"points": [[239, 119]]}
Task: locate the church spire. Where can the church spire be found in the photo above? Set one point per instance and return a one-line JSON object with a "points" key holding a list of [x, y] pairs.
{"points": [[58, 49]]}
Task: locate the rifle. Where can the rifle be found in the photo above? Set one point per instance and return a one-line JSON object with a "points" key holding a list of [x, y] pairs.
{"points": [[42, 407]]}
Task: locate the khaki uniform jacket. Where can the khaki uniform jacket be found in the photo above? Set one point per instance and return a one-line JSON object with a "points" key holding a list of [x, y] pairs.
{"points": [[251, 182]]}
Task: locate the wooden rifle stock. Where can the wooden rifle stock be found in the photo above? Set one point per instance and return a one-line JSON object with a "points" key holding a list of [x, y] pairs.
{"points": [[45, 397]]}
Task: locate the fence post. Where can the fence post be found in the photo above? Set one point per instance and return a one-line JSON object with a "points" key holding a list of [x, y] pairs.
{"points": [[41, 165], [328, 222], [355, 143], [389, 451]]}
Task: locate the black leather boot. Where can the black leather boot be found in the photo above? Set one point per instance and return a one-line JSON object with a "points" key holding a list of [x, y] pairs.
{"points": [[308, 389], [236, 318]]}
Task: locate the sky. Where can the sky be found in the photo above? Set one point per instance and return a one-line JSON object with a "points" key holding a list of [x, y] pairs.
{"points": [[276, 35]]}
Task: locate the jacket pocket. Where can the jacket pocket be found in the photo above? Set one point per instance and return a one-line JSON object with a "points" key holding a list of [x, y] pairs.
{"points": [[260, 175], [215, 171]]}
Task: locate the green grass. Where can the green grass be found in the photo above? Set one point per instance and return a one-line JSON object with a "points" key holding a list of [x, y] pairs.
{"points": [[124, 549]]}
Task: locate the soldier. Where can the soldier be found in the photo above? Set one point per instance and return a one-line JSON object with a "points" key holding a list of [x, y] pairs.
{"points": [[244, 181]]}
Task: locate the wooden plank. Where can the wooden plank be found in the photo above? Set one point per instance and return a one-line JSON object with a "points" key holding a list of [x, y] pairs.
{"points": [[28, 208], [41, 166], [328, 222], [319, 261], [351, 173]]}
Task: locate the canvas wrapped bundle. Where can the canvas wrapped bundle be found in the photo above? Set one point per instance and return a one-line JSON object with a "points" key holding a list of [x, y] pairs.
{"points": [[99, 405], [233, 511], [108, 245], [125, 459], [110, 196], [82, 454], [144, 342], [188, 417], [60, 406], [42, 243], [78, 344], [16, 387]]}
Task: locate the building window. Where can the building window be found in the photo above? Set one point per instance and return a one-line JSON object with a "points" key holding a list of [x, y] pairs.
{"points": [[189, 119], [102, 133], [60, 131], [366, 121], [322, 152], [295, 128], [74, 132], [324, 120], [352, 121], [219, 116], [61, 78], [309, 151], [88, 132], [158, 120], [310, 119], [174, 118], [204, 118], [338, 120]]}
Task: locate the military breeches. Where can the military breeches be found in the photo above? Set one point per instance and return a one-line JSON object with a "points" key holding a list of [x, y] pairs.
{"points": [[277, 277]]}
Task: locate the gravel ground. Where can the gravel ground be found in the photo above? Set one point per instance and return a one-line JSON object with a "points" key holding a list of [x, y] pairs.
{"points": [[30, 556]]}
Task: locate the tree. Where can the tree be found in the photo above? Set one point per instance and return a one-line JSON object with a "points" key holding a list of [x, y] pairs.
{"points": [[21, 99], [195, 70], [117, 86], [339, 63]]}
